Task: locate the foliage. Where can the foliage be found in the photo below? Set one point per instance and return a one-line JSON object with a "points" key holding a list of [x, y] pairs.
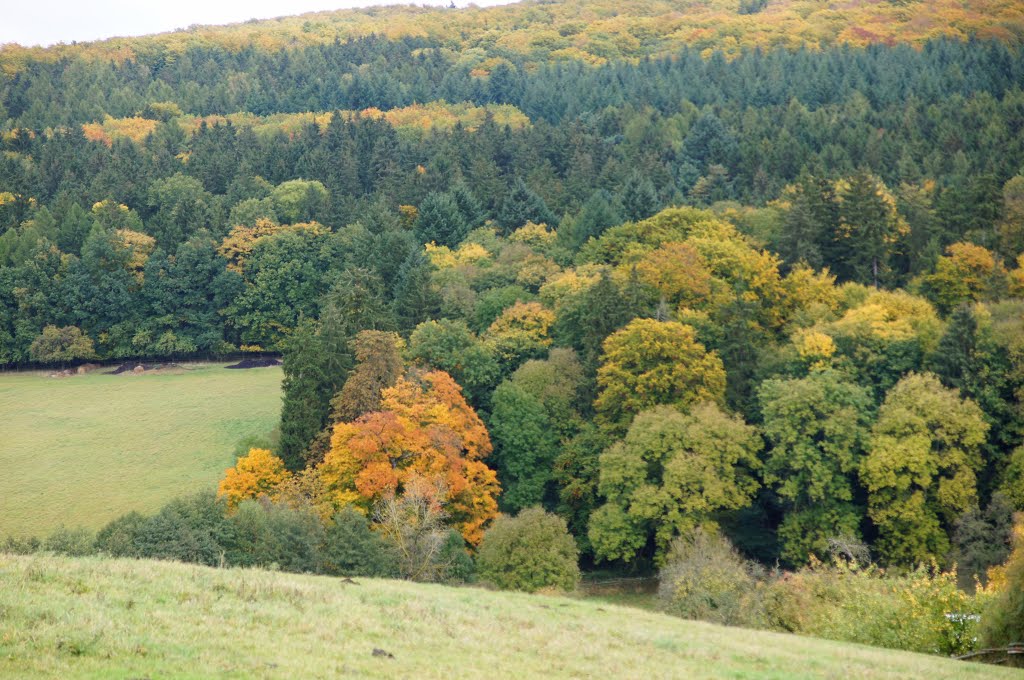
{"points": [[271, 535], [258, 473], [525, 445], [920, 468], [531, 551], [705, 578], [817, 427], [1003, 618], [922, 611], [652, 362], [425, 430], [61, 344], [670, 474]]}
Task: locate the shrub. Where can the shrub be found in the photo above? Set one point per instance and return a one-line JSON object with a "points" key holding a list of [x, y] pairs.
{"points": [[120, 536], [17, 545], [73, 542], [191, 529], [458, 563], [352, 548], [705, 578], [1003, 619], [272, 535], [531, 551], [922, 611]]}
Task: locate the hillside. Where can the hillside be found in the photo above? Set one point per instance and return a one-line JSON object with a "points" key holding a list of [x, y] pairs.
{"points": [[97, 618], [82, 450], [595, 32]]}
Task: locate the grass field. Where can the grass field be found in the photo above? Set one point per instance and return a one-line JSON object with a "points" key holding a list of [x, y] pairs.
{"points": [[96, 618], [84, 449]]}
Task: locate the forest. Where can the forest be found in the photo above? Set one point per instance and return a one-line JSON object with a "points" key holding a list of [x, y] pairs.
{"points": [[660, 280]]}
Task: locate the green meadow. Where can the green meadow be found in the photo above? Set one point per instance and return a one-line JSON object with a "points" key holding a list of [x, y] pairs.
{"points": [[99, 618], [82, 450]]}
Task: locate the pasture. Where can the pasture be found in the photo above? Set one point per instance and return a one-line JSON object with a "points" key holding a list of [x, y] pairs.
{"points": [[82, 450]]}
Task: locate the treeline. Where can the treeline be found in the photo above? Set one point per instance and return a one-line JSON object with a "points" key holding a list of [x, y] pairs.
{"points": [[206, 81]]}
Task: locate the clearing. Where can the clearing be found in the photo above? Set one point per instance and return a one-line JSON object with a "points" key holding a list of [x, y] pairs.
{"points": [[82, 450]]}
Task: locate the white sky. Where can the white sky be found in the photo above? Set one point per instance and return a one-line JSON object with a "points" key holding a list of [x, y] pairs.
{"points": [[44, 22]]}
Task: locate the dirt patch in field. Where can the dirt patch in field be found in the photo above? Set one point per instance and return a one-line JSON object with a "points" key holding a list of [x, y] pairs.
{"points": [[138, 368], [256, 362]]}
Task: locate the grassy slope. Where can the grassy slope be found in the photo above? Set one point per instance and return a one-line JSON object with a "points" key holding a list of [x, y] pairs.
{"points": [[85, 449], [62, 617]]}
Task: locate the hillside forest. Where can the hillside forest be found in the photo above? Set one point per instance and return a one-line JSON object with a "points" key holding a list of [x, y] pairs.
{"points": [[754, 270]]}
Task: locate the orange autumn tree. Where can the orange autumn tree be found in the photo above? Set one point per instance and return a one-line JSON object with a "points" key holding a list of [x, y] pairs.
{"points": [[256, 474], [423, 430]]}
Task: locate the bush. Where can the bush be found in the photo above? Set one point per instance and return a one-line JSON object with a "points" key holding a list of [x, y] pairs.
{"points": [[275, 536], [352, 548], [923, 611], [1003, 619], [529, 552], [73, 542], [458, 564], [705, 578], [191, 529], [119, 538], [16, 545]]}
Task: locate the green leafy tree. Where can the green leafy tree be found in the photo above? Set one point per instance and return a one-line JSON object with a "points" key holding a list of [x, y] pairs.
{"points": [[58, 345], [525, 446], [440, 221], [920, 470], [529, 552], [652, 362], [817, 427], [670, 474], [452, 347], [352, 548]]}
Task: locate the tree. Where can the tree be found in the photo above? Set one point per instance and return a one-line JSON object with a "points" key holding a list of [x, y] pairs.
{"points": [[670, 474], [639, 198], [378, 366], [705, 578], [651, 362], [181, 207], [677, 272], [352, 548], [256, 474], [425, 430], [1011, 225], [313, 372], [525, 446], [967, 273], [981, 538], [58, 345], [520, 332], [522, 205], [452, 347], [919, 473], [415, 298], [529, 552], [869, 226], [441, 221], [300, 200], [817, 427], [414, 525]]}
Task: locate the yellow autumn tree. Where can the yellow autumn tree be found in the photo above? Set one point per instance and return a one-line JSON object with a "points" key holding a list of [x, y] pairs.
{"points": [[258, 473], [424, 430]]}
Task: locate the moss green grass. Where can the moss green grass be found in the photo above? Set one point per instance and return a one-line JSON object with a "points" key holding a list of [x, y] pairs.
{"points": [[98, 618], [81, 450]]}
